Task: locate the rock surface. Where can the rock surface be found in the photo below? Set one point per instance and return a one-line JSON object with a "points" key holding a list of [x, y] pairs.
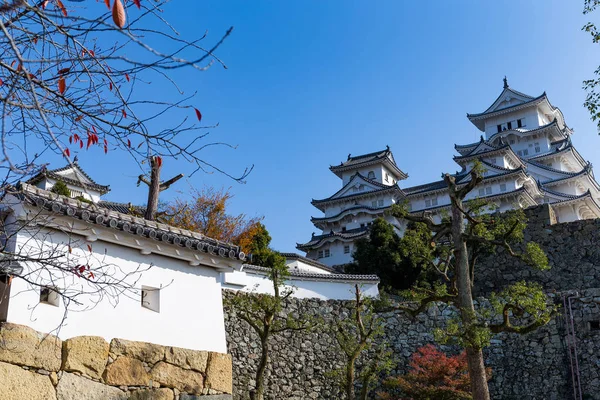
{"points": [[126, 371], [22, 345], [178, 378], [85, 354], [19, 384]]}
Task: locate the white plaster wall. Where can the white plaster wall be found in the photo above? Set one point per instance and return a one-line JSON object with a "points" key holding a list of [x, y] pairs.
{"points": [[191, 312], [325, 290], [531, 120], [299, 266]]}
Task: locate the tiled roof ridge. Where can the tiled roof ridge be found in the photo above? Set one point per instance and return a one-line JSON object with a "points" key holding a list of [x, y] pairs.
{"points": [[390, 187], [505, 109], [353, 208], [307, 260], [94, 214], [326, 277]]}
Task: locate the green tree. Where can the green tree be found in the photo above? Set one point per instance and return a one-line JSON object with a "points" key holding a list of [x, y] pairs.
{"points": [[357, 337], [264, 312], [451, 249], [61, 188], [388, 256]]}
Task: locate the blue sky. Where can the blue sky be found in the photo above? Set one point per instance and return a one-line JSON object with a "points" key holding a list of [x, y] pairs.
{"points": [[310, 81]]}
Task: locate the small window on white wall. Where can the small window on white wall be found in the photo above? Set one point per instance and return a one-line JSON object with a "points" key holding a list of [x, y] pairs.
{"points": [[371, 175], [503, 187], [380, 203], [346, 249], [481, 192], [327, 253], [434, 201], [49, 295], [488, 190], [151, 298], [427, 203], [374, 203], [320, 254]]}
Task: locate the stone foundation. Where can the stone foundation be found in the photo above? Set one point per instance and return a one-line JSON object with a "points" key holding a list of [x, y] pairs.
{"points": [[37, 366]]}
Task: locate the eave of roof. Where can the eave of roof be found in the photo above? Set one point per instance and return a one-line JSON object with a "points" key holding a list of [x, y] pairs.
{"points": [[533, 101], [571, 175], [317, 240], [100, 216], [350, 209], [316, 276], [330, 200], [384, 156], [54, 174], [306, 260]]}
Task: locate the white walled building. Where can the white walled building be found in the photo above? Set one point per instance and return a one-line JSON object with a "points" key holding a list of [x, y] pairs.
{"points": [[528, 157], [123, 276]]}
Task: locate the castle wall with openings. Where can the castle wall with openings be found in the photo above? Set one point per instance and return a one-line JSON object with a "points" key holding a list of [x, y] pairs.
{"points": [[532, 366]]}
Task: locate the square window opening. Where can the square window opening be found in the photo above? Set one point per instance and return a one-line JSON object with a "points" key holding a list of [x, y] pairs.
{"points": [[346, 249], [49, 295], [151, 298], [327, 253]]}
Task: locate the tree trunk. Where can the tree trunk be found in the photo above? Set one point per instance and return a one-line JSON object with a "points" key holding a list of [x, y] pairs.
{"points": [[479, 387], [153, 190], [259, 390], [350, 377]]}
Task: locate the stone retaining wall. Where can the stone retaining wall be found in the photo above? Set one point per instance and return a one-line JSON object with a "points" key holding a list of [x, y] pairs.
{"points": [[37, 366]]}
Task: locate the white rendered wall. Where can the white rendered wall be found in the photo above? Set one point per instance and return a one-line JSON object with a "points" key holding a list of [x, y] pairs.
{"points": [[191, 311], [324, 290], [299, 266]]}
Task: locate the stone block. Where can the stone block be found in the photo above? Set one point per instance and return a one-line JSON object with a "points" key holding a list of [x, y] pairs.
{"points": [[22, 345], [184, 380], [185, 396], [85, 354], [126, 371], [219, 372], [152, 394], [73, 387], [147, 352], [188, 359], [19, 384]]}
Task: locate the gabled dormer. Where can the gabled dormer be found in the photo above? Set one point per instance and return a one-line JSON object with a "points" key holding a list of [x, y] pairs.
{"points": [[514, 110], [79, 183], [379, 166]]}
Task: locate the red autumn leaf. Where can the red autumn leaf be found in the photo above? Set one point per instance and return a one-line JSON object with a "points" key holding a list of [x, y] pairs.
{"points": [[105, 149], [89, 248], [12, 64], [127, 77], [110, 85], [44, 4], [79, 118], [67, 152], [92, 53], [70, 139], [35, 40], [89, 142], [137, 3], [1, 82], [81, 144], [107, 2], [124, 114], [81, 269], [62, 7], [62, 86], [91, 275], [19, 67], [118, 14], [198, 114], [63, 71], [128, 143], [76, 137], [94, 129]]}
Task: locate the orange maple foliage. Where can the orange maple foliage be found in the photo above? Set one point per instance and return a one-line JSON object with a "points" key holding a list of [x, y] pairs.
{"points": [[432, 375], [206, 212]]}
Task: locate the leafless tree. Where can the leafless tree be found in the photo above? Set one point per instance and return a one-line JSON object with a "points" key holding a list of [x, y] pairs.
{"points": [[69, 78]]}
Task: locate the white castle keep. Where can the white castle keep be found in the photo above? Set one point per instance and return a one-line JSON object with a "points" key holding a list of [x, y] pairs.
{"points": [[528, 157]]}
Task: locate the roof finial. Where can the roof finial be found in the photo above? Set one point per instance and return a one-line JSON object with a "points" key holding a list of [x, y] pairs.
{"points": [[75, 160], [349, 154], [505, 82], [387, 147]]}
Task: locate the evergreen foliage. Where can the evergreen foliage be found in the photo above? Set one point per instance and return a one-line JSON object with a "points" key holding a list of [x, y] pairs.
{"points": [[61, 188]]}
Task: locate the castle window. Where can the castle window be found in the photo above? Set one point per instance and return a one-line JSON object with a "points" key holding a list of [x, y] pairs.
{"points": [[427, 203], [525, 152], [49, 295], [371, 175], [320, 254], [374, 203], [482, 192], [537, 147], [521, 123], [380, 203], [151, 298], [493, 161], [362, 225], [512, 141], [503, 187], [520, 153], [499, 128], [327, 253], [343, 229], [509, 125], [346, 249], [434, 201], [387, 177], [488, 190]]}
